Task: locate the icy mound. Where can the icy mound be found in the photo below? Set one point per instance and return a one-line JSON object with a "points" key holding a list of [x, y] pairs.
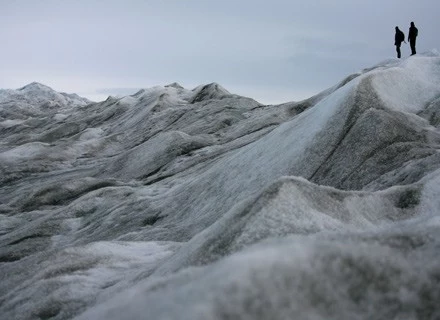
{"points": [[295, 206], [37, 93], [201, 204], [35, 99], [208, 92]]}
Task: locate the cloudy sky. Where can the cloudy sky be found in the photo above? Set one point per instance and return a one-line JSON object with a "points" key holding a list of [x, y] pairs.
{"points": [[273, 51]]}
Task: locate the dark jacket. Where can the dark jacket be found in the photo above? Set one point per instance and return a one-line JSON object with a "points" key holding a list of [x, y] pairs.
{"points": [[413, 32], [399, 37]]}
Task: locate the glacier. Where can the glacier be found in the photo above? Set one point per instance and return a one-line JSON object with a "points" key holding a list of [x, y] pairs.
{"points": [[174, 203]]}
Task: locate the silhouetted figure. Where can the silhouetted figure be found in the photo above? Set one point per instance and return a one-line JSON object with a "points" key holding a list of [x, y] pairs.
{"points": [[412, 35], [398, 39]]}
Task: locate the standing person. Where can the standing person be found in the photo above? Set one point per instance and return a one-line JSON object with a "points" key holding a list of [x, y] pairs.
{"points": [[412, 35], [398, 39]]}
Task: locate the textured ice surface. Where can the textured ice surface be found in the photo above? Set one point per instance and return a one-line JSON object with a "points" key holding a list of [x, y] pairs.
{"points": [[201, 204]]}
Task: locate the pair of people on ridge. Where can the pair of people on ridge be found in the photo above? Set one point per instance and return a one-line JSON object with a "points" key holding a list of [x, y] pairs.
{"points": [[400, 37]]}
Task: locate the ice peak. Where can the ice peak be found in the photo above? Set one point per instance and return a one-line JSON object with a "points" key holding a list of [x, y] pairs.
{"points": [[35, 86], [209, 91], [174, 85]]}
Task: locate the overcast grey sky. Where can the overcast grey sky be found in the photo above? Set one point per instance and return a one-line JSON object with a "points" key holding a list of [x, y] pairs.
{"points": [[273, 51]]}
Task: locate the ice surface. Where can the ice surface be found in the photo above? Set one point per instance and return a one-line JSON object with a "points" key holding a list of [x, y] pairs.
{"points": [[10, 123], [200, 204], [410, 85], [26, 151], [292, 278], [68, 280]]}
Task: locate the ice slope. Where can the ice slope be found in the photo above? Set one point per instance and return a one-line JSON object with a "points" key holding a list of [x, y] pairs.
{"points": [[201, 204]]}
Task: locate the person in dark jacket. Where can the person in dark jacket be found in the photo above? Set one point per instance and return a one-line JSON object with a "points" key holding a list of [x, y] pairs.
{"points": [[412, 35], [398, 39]]}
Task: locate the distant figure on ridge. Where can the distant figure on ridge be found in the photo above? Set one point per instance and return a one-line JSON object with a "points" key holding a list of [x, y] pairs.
{"points": [[412, 35], [398, 39]]}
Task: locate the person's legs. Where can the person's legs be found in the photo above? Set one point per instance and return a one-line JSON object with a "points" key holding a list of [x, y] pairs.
{"points": [[413, 46], [398, 51]]}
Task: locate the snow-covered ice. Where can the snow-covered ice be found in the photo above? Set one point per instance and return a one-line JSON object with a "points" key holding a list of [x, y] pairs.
{"points": [[201, 204]]}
